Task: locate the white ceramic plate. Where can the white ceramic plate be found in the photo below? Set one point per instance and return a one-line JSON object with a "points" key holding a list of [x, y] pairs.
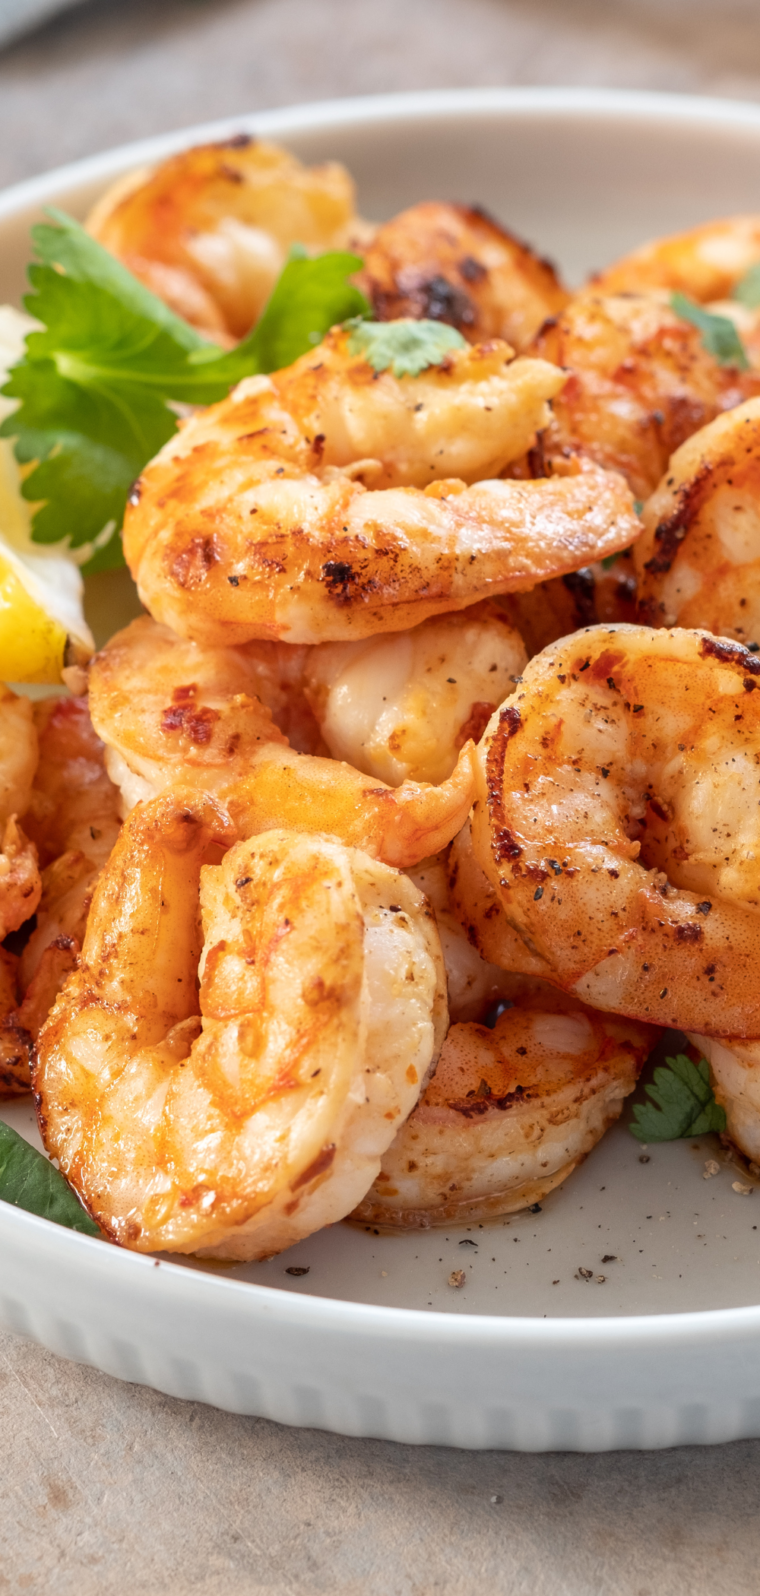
{"points": [[372, 1341]]}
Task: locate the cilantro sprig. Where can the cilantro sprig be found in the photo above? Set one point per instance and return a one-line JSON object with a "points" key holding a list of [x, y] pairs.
{"points": [[404, 347], [747, 290], [719, 335], [97, 384], [685, 1105], [28, 1180]]}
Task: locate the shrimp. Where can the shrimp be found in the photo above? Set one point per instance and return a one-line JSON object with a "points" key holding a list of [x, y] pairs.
{"points": [[454, 263], [171, 712], [209, 229], [249, 524], [401, 706], [22, 1017], [73, 818], [474, 903], [235, 1131], [698, 562], [20, 883], [706, 262], [617, 820], [603, 591], [474, 985], [735, 1079], [641, 382], [508, 1114]]}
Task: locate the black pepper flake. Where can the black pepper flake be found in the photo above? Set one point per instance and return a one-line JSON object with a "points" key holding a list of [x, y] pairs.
{"points": [[610, 1257], [704, 908], [539, 892], [585, 1274], [535, 1208], [298, 1269], [605, 773], [637, 708], [664, 992], [243, 881], [643, 1158]]}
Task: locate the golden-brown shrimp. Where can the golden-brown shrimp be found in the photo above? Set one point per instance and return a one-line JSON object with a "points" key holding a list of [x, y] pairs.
{"points": [[508, 1114], [474, 902], [454, 263], [735, 1079], [155, 698], [602, 591], [209, 229], [249, 524], [236, 1130], [474, 985], [400, 706], [698, 562], [641, 381], [617, 820], [705, 262], [20, 883], [22, 1017], [73, 817]]}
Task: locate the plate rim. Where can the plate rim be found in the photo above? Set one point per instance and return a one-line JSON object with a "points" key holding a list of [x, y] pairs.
{"points": [[692, 1327]]}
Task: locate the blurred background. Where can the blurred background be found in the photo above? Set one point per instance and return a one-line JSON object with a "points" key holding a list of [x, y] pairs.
{"points": [[89, 75]]}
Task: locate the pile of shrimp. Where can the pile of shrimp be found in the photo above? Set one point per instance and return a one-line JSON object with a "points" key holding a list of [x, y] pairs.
{"points": [[425, 792]]}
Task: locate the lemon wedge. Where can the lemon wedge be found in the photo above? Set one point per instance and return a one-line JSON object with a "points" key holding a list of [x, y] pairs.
{"points": [[42, 625]]}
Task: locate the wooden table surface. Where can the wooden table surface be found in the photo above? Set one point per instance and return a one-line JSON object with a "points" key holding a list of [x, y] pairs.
{"points": [[112, 1490]]}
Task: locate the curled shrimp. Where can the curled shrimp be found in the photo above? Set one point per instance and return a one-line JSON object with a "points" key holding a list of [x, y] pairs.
{"points": [[474, 985], [705, 262], [20, 883], [474, 902], [209, 229], [735, 1080], [454, 263], [698, 562], [603, 591], [170, 712], [617, 820], [236, 1130], [641, 382], [22, 1013], [401, 706], [508, 1114], [249, 524]]}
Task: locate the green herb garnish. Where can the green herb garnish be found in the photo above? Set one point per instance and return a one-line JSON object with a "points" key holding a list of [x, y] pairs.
{"points": [[747, 290], [719, 335], [28, 1180], [97, 384], [404, 347], [685, 1103]]}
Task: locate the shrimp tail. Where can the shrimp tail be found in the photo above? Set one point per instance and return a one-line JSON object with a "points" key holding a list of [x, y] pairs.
{"points": [[398, 825]]}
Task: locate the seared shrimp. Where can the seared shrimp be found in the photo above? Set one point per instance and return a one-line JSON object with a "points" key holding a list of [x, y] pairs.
{"points": [[735, 1079], [20, 884], [21, 1016], [456, 264], [474, 902], [209, 229], [235, 1131], [401, 706], [706, 262], [603, 591], [508, 1114], [172, 713], [474, 985], [249, 524], [641, 381], [617, 820], [698, 562]]}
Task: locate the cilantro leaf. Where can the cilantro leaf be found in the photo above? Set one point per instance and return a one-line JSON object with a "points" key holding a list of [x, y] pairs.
{"points": [[28, 1180], [404, 347], [685, 1103], [747, 290], [97, 385], [719, 335]]}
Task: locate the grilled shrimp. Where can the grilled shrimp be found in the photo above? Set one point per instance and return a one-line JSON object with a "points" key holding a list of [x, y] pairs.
{"points": [[474, 985], [706, 262], [617, 820], [509, 1113], [401, 706], [236, 1130], [20, 883], [698, 562], [456, 264], [735, 1079], [641, 382], [170, 712], [251, 523], [209, 229]]}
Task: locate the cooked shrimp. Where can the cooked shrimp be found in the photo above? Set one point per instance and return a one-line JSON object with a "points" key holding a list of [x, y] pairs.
{"points": [[236, 1131], [474, 985], [19, 753], [20, 881], [698, 563], [603, 591], [22, 1018], [735, 1079], [706, 262], [641, 381], [209, 229], [73, 817], [454, 263], [617, 819], [249, 524], [474, 903], [508, 1114], [401, 706], [170, 712]]}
